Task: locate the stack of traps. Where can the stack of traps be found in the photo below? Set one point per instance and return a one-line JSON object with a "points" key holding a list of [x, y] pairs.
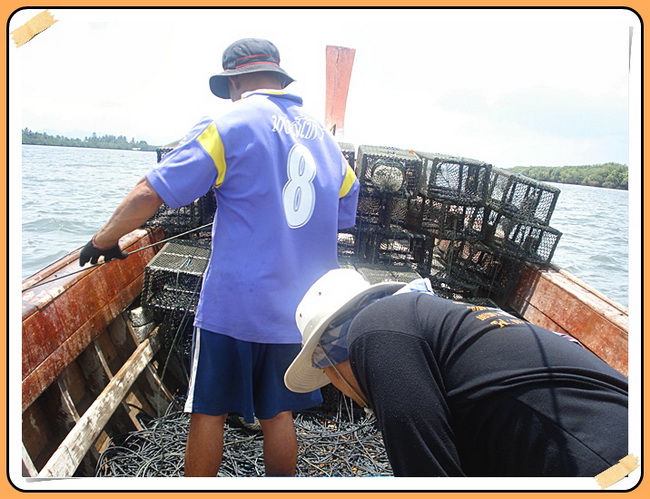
{"points": [[467, 225]]}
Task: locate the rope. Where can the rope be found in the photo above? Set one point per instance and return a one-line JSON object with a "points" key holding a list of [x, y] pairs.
{"points": [[331, 443], [41, 283]]}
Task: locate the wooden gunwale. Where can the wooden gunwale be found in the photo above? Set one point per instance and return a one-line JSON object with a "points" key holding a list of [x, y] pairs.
{"points": [[557, 300], [82, 361], [65, 460], [61, 318]]}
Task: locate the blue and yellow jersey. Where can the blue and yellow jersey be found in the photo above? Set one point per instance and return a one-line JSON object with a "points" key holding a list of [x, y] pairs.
{"points": [[283, 191]]}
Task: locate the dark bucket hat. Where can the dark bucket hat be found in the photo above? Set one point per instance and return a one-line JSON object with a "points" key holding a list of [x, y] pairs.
{"points": [[248, 55]]}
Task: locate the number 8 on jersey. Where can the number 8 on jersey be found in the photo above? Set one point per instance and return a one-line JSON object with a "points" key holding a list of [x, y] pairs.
{"points": [[299, 194]]}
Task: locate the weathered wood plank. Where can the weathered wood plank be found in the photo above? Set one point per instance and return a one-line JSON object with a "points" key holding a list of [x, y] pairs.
{"points": [[134, 240], [66, 400], [28, 466], [37, 340], [52, 366], [74, 447], [130, 398], [156, 386], [102, 359], [37, 433]]}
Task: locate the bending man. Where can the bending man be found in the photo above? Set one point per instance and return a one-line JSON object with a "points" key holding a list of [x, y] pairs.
{"points": [[460, 390]]}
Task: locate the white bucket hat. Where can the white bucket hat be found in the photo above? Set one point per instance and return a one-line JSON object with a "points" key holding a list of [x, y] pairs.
{"points": [[339, 291]]}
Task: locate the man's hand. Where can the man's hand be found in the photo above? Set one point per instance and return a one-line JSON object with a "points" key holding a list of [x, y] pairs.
{"points": [[91, 253]]}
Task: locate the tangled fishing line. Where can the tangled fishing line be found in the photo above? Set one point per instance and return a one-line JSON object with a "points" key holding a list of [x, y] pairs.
{"points": [[330, 444]]}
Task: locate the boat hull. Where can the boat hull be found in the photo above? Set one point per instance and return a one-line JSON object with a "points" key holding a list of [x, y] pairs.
{"points": [[62, 318], [84, 368], [557, 300]]}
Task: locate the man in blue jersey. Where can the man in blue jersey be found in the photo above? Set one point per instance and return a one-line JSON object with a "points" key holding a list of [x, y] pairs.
{"points": [[283, 191]]}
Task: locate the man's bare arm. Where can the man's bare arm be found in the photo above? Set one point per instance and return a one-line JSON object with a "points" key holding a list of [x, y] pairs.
{"points": [[136, 208]]}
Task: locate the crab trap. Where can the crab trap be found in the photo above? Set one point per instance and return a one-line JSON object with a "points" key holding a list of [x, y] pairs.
{"points": [[473, 262], [381, 210], [161, 152], [346, 244], [392, 245], [186, 218], [172, 279], [452, 288], [387, 170], [522, 197], [175, 336], [454, 179], [445, 219], [525, 240]]}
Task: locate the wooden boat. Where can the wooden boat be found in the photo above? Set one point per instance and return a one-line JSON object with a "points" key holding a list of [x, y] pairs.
{"points": [[92, 362], [82, 361]]}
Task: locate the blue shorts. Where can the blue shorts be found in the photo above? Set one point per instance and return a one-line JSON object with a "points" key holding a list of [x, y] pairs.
{"points": [[230, 376]]}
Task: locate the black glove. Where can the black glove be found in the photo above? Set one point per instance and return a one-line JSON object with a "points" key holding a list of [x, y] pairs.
{"points": [[90, 253]]}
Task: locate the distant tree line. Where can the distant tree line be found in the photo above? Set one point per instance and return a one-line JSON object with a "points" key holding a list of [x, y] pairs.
{"points": [[610, 175], [95, 141]]}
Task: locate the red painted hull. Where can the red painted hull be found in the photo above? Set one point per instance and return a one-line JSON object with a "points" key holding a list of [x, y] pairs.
{"points": [[61, 319]]}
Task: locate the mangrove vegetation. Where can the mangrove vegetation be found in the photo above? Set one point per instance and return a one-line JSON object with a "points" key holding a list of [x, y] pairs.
{"points": [[610, 175], [95, 141]]}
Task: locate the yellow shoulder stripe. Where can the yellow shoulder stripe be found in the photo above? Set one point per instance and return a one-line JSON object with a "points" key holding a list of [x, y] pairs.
{"points": [[348, 182], [211, 142]]}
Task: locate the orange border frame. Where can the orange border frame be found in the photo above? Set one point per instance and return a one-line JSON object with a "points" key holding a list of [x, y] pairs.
{"points": [[641, 7]]}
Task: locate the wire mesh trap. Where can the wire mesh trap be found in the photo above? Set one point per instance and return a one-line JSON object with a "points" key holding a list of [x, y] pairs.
{"points": [[161, 152], [525, 240], [172, 278], [186, 218], [473, 262], [379, 272], [388, 170], [381, 210], [522, 197], [454, 179], [447, 219]]}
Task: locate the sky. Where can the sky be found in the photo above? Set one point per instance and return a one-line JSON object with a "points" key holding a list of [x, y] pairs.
{"points": [[511, 87]]}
